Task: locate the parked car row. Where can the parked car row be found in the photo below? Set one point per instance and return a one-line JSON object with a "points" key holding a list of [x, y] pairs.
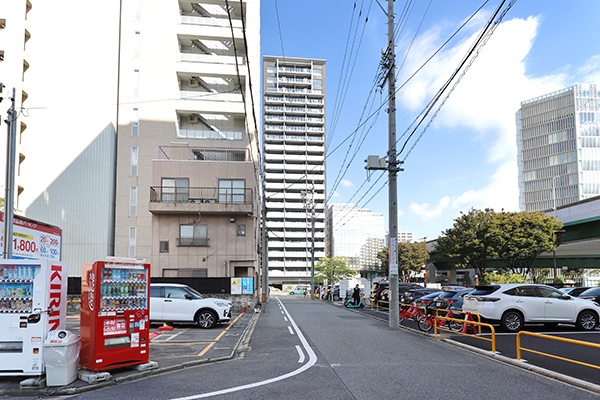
{"points": [[514, 305]]}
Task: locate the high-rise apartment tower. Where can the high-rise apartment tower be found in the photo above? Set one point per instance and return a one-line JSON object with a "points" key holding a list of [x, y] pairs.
{"points": [[558, 141], [293, 165]]}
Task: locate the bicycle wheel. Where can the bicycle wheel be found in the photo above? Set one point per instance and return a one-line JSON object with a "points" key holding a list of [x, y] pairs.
{"points": [[424, 324], [456, 326]]}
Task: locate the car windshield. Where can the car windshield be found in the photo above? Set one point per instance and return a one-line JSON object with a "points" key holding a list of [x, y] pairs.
{"points": [[195, 292], [446, 295], [591, 292]]}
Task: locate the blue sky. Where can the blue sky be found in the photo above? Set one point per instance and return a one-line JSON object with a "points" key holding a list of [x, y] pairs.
{"points": [[467, 157]]}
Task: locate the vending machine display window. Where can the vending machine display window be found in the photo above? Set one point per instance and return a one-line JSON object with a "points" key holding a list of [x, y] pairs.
{"points": [[16, 288]]}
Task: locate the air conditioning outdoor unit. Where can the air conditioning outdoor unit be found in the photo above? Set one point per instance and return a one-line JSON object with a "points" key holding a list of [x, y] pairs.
{"points": [[194, 82], [193, 119]]}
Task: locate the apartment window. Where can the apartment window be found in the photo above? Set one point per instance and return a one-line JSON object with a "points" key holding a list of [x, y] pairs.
{"points": [[132, 235], [231, 191], [135, 123], [193, 236], [133, 202], [164, 246], [175, 190], [134, 162], [271, 70], [317, 82], [241, 230]]}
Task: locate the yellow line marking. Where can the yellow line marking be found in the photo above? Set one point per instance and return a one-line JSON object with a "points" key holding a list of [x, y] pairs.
{"points": [[205, 349]]}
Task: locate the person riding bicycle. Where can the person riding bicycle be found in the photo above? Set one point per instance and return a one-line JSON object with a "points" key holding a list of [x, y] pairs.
{"points": [[356, 295]]}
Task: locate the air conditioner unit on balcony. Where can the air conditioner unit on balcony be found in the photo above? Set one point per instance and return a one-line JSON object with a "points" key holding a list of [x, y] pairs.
{"points": [[194, 82], [193, 119]]}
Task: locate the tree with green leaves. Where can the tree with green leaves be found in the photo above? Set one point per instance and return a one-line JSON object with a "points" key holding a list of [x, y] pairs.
{"points": [[519, 237], [383, 256], [411, 258], [469, 243], [340, 270]]}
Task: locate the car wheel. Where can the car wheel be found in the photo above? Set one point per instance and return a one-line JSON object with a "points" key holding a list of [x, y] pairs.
{"points": [[511, 321], [206, 319], [423, 325], [587, 320]]}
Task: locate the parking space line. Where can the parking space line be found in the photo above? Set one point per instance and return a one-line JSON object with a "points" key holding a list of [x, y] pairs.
{"points": [[290, 329], [203, 352]]}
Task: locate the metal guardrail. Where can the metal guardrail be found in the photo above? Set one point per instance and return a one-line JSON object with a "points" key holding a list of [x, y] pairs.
{"points": [[572, 341], [480, 324], [462, 314]]}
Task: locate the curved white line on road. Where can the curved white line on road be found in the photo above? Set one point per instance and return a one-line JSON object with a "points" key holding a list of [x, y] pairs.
{"points": [[312, 359], [300, 354]]}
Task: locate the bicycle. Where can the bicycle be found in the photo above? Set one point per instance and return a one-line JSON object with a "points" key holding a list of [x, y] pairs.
{"points": [[413, 312], [426, 322]]}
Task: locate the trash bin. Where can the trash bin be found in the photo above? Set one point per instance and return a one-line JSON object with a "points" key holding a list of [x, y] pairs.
{"points": [[61, 356]]}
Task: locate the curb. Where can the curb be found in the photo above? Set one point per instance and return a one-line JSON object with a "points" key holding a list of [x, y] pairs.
{"points": [[244, 338]]}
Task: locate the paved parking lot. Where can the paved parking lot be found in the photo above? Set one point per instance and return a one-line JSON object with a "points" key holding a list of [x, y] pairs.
{"points": [[184, 346]]}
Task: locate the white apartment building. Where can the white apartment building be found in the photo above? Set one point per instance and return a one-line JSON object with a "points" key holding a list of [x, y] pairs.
{"points": [[15, 32], [357, 234], [187, 158], [293, 165], [558, 141]]}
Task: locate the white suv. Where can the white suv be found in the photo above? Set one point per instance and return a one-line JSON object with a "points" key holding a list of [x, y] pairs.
{"points": [[513, 305], [173, 302]]}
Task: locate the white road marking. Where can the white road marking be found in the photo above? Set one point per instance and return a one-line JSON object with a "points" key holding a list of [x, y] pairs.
{"points": [[290, 329], [285, 319], [312, 359], [171, 337], [300, 354]]}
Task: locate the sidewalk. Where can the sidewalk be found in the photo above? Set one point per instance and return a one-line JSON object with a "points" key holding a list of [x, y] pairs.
{"points": [[184, 346]]}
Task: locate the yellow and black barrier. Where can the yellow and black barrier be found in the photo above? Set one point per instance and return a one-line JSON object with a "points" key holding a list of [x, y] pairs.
{"points": [[572, 341]]}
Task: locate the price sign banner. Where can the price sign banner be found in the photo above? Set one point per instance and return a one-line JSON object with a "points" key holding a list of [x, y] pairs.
{"points": [[33, 240]]}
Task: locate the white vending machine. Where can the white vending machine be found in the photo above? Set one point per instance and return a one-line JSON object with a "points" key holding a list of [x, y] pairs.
{"points": [[33, 302]]}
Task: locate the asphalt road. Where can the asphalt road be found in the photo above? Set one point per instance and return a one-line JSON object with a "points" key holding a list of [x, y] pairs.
{"points": [[305, 349]]}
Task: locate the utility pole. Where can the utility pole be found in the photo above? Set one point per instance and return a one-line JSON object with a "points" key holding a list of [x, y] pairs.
{"points": [[309, 205], [265, 252], [11, 148], [374, 163]]}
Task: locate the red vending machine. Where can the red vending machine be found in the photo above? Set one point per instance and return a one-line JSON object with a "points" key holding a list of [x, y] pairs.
{"points": [[114, 314]]}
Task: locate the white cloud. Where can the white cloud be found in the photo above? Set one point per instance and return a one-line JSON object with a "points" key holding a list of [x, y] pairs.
{"points": [[590, 72], [426, 213], [346, 183]]}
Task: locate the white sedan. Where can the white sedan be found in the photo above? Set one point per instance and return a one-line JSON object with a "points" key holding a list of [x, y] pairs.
{"points": [[513, 305]]}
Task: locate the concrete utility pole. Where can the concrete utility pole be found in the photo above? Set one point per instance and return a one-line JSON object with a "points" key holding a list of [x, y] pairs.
{"points": [[392, 171], [11, 148], [265, 252], [375, 163], [309, 205]]}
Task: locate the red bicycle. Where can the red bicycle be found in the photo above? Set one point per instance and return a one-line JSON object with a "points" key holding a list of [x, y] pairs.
{"points": [[426, 322], [413, 312]]}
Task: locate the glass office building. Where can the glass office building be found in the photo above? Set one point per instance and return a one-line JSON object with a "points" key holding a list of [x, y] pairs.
{"points": [[558, 141]]}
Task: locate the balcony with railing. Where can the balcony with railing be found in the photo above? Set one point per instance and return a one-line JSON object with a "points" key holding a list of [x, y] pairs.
{"points": [[207, 200]]}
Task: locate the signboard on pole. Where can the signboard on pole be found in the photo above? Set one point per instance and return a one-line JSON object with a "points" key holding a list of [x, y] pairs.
{"points": [[33, 240], [394, 257]]}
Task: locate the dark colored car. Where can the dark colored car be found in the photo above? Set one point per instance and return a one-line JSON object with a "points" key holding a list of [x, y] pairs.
{"points": [[575, 291], [413, 294], [451, 300], [428, 301], [591, 294], [377, 290], [402, 288]]}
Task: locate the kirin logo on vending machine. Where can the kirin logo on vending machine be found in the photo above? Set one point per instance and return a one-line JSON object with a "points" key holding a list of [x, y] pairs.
{"points": [[92, 292], [56, 283]]}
